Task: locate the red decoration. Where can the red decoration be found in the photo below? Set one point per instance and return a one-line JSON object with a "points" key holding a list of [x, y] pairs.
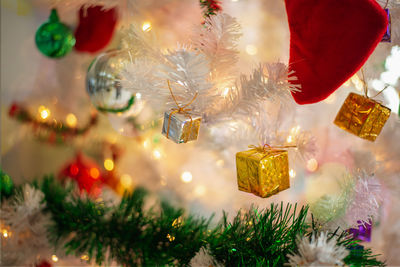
{"points": [[95, 29], [43, 263], [50, 131], [330, 40], [210, 7], [86, 173]]}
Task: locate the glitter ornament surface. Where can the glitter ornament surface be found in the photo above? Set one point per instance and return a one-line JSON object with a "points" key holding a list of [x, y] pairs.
{"points": [[53, 38], [103, 82], [362, 232], [263, 173], [362, 116]]}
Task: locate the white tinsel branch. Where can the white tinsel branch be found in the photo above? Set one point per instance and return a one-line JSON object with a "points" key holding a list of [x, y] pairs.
{"points": [[122, 5], [358, 201], [188, 73], [365, 203], [319, 251], [27, 226], [217, 39]]}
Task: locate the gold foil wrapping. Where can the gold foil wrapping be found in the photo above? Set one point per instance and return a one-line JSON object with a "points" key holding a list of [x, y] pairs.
{"points": [[181, 127], [263, 173], [362, 116]]}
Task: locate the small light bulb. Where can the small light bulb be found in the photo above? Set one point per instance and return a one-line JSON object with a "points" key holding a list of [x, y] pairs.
{"points": [[312, 165], [146, 26], [5, 233], [251, 50], [156, 154], [200, 190], [109, 164], [94, 172], [71, 120], [170, 237], [44, 112], [146, 143], [85, 257], [126, 181], [54, 258], [292, 173], [226, 91], [186, 177]]}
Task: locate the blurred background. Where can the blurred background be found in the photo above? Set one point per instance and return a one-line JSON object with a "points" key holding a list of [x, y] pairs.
{"points": [[201, 175]]}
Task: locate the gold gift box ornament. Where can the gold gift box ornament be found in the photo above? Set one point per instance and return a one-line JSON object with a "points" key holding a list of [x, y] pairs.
{"points": [[263, 170], [362, 116], [180, 125]]}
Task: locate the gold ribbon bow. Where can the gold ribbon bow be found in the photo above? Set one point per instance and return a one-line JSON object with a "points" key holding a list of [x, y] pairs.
{"points": [[180, 109], [264, 148]]}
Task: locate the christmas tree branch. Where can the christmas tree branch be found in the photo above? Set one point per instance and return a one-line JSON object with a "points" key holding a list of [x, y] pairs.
{"points": [[132, 235]]}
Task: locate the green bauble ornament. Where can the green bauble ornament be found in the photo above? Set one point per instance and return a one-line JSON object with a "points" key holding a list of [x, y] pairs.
{"points": [[6, 185], [53, 38]]}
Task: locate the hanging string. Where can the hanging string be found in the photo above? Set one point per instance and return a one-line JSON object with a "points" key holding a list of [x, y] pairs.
{"points": [[366, 86], [386, 5], [180, 109]]}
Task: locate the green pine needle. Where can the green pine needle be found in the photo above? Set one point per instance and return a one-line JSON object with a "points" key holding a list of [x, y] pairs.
{"points": [[165, 236]]}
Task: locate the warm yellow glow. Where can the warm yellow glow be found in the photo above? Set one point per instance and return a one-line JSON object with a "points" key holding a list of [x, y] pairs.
{"points": [[109, 164], [358, 83], [146, 26], [156, 154], [44, 112], [312, 165], [54, 258], [94, 172], [251, 50], [295, 129], [220, 162], [146, 143], [177, 222], [200, 190], [126, 181], [292, 173], [331, 99], [71, 120], [6, 234], [170, 237], [85, 257], [186, 177], [226, 91], [289, 139]]}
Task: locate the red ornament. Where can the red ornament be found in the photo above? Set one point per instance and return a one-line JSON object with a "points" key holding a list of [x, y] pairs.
{"points": [[14, 108], [211, 7], [95, 29], [86, 173], [330, 40], [43, 263]]}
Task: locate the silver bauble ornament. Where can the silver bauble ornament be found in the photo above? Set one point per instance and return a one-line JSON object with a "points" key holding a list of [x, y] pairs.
{"points": [[104, 85]]}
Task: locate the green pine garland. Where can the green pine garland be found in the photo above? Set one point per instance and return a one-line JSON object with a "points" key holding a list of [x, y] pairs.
{"points": [[166, 236]]}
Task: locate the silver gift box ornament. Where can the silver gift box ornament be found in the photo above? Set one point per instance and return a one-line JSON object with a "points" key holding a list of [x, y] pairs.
{"points": [[181, 127]]}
